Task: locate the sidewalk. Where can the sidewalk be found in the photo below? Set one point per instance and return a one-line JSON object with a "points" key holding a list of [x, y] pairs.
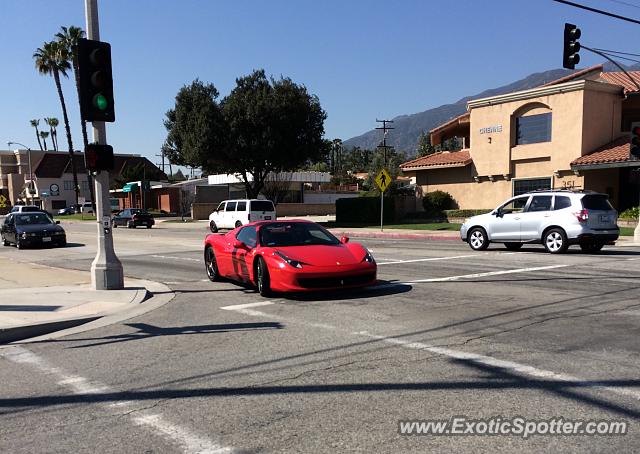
{"points": [[37, 300]]}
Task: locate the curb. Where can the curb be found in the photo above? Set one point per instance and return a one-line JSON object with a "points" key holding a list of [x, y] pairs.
{"points": [[403, 236], [17, 333], [22, 332]]}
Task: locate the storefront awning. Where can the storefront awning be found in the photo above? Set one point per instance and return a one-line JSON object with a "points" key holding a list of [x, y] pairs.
{"points": [[129, 187]]}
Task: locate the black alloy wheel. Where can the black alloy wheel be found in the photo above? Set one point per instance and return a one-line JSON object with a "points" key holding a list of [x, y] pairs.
{"points": [[211, 264]]}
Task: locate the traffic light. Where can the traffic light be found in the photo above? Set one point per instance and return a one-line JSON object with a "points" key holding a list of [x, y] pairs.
{"points": [[635, 141], [96, 81], [98, 157], [570, 56]]}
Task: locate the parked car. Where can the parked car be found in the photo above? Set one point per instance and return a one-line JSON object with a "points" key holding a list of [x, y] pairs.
{"points": [[25, 208], [32, 228], [288, 256], [66, 211], [132, 218], [86, 207], [231, 214], [555, 218]]}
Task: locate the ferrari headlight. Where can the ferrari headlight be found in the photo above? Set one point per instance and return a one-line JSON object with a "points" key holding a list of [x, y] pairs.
{"points": [[293, 263], [368, 257]]}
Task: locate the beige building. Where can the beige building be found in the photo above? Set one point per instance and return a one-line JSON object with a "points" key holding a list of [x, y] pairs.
{"points": [[570, 133], [45, 178]]}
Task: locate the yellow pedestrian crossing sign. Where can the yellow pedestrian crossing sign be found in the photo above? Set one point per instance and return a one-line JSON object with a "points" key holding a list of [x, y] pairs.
{"points": [[383, 180], [3, 201]]}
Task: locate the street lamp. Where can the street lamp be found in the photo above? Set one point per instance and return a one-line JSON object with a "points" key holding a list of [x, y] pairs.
{"points": [[31, 191]]}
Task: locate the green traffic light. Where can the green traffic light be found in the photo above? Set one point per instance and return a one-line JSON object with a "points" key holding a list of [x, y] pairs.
{"points": [[100, 102]]}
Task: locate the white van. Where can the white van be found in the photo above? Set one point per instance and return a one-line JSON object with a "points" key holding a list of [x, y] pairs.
{"points": [[86, 207], [234, 213]]}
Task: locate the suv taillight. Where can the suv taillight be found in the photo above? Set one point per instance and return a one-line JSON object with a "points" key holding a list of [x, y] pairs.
{"points": [[582, 215]]}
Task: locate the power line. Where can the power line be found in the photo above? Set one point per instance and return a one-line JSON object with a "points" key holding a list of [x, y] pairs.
{"points": [[599, 11], [621, 58], [632, 5], [617, 52]]}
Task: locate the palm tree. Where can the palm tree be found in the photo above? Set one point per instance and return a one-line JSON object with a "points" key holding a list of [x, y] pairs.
{"points": [[53, 124], [44, 135], [35, 124], [53, 59], [68, 37]]}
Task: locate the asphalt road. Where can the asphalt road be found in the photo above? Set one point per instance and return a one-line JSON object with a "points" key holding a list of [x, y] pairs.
{"points": [[448, 332]]}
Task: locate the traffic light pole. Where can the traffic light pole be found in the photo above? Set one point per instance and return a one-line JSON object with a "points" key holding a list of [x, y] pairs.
{"points": [[106, 268]]}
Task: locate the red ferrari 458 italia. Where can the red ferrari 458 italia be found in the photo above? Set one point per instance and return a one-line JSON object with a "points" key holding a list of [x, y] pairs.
{"points": [[288, 256]]}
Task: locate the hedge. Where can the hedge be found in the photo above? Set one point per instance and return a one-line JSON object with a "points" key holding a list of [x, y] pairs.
{"points": [[631, 214], [362, 210]]}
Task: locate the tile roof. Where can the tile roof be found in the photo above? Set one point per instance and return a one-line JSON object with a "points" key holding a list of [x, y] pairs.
{"points": [[442, 159], [620, 78], [616, 151]]}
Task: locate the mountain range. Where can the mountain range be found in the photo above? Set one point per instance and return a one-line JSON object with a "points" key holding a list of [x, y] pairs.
{"points": [[409, 127]]}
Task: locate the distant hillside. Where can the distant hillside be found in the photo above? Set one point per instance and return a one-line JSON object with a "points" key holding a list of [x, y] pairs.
{"points": [[408, 127]]}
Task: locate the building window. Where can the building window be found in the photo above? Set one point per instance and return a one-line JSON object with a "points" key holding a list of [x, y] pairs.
{"points": [[533, 129], [524, 186], [84, 185], [68, 185]]}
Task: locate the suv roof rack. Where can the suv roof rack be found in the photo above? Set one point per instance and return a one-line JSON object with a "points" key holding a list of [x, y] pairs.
{"points": [[575, 189]]}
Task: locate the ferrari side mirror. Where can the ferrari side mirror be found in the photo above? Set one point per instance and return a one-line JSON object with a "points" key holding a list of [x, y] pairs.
{"points": [[344, 239]]}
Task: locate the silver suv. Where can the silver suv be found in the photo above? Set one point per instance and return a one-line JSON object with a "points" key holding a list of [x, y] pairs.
{"points": [[555, 218]]}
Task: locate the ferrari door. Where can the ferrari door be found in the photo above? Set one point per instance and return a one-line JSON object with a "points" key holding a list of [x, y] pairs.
{"points": [[242, 253]]}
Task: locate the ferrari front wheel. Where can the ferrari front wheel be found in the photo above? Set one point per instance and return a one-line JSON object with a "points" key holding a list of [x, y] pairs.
{"points": [[262, 278], [211, 264]]}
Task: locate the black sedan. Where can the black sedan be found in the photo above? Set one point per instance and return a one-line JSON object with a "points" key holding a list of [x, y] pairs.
{"points": [[132, 218], [32, 229]]}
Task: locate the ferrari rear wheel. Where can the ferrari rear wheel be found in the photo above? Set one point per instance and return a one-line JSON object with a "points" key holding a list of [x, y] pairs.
{"points": [[211, 264], [262, 278]]}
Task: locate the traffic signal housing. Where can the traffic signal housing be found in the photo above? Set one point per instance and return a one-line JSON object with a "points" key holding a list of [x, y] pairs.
{"points": [[570, 56], [98, 157], [635, 141], [95, 81]]}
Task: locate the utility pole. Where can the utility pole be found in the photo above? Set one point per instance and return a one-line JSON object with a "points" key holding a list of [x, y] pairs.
{"points": [[106, 268], [161, 155], [384, 145]]}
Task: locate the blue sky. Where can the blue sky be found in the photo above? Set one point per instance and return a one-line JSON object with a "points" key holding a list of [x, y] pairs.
{"points": [[363, 59]]}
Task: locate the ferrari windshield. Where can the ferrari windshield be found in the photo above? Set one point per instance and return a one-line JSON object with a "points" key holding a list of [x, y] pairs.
{"points": [[295, 234]]}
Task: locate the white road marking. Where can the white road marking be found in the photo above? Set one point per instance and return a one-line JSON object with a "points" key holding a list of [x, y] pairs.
{"points": [[189, 442], [431, 259], [501, 364], [490, 273], [188, 259], [522, 369], [245, 306]]}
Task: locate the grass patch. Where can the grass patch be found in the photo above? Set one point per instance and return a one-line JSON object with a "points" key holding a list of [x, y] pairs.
{"points": [[75, 217], [626, 231], [443, 226]]}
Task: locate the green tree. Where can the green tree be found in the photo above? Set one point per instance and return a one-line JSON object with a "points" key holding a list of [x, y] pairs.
{"points": [[34, 124], [195, 126], [263, 126], [52, 59], [178, 176], [53, 122], [424, 147], [68, 38], [44, 135]]}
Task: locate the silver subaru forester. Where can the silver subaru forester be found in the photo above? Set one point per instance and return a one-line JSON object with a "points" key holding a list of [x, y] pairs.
{"points": [[555, 218]]}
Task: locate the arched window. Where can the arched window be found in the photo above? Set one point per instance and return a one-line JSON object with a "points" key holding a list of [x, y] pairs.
{"points": [[532, 124]]}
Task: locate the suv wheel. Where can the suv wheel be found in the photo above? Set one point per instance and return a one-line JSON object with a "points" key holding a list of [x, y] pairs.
{"points": [[555, 241], [213, 227], [591, 247], [477, 239], [4, 242], [238, 224], [513, 246]]}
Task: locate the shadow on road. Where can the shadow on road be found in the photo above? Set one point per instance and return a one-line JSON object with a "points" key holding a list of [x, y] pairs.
{"points": [[382, 288], [145, 331]]}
